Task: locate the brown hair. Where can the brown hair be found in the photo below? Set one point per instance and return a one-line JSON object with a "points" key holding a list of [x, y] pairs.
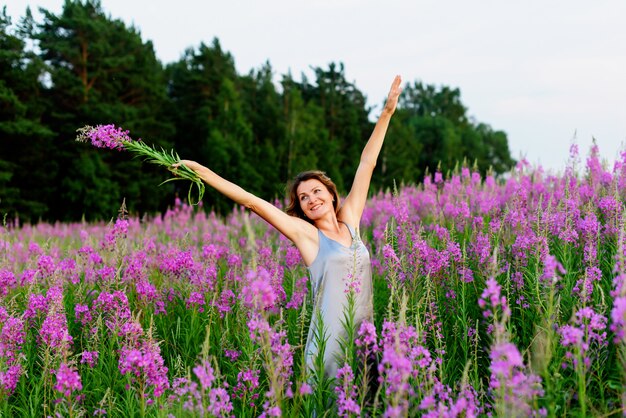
{"points": [[293, 208]]}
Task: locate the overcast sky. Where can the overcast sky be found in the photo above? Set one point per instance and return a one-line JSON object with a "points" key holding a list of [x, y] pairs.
{"points": [[545, 72]]}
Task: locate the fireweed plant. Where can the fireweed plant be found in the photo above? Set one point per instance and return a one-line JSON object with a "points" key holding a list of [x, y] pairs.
{"points": [[492, 298], [112, 137]]}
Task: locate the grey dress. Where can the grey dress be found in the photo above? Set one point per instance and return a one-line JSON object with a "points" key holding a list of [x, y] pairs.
{"points": [[331, 272]]}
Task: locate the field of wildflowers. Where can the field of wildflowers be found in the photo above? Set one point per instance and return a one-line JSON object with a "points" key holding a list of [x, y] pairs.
{"points": [[491, 297]]}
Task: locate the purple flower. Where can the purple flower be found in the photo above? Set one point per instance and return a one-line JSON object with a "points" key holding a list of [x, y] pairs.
{"points": [[247, 381], [115, 305], [352, 284], [225, 302], [234, 260], [104, 136], [11, 341], [491, 299], [36, 304], [12, 338], [466, 275], [232, 355], [177, 263], [82, 314], [505, 358], [441, 402], [390, 255], [28, 277], [587, 332], [513, 389], [117, 232], [219, 403], [214, 252], [54, 333], [90, 358], [278, 357], [45, 266], [146, 291], [305, 389], [258, 293], [146, 364], [394, 411], [204, 373], [34, 249], [346, 392], [292, 257], [402, 358], [197, 299], [7, 282], [10, 378], [130, 331], [282, 354], [299, 292], [366, 340], [69, 269], [270, 411], [552, 268], [68, 380], [618, 318]]}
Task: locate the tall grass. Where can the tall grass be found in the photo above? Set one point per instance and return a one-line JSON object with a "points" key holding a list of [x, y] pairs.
{"points": [[491, 297]]}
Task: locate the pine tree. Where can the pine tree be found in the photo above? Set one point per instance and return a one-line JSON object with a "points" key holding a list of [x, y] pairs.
{"points": [[101, 72], [25, 165]]}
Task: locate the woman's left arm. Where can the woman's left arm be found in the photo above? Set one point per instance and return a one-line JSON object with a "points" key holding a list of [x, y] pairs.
{"points": [[353, 206]]}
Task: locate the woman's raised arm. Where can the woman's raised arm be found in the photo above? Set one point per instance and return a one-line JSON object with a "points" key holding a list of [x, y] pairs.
{"points": [[354, 204], [300, 232]]}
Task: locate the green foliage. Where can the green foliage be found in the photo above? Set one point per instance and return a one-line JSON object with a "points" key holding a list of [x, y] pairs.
{"points": [[100, 70], [208, 115], [85, 67], [24, 141]]}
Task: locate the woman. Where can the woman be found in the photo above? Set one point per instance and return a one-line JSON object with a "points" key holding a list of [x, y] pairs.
{"points": [[326, 234]]}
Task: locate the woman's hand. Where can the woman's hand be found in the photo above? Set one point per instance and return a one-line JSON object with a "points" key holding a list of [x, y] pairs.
{"points": [[192, 165], [392, 97]]}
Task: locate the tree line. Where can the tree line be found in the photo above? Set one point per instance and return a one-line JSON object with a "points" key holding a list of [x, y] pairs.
{"points": [[83, 67]]}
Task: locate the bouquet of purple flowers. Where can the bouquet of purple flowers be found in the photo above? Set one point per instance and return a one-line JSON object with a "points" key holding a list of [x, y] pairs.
{"points": [[112, 137]]}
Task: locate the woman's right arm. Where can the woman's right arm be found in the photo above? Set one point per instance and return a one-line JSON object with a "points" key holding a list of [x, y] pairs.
{"points": [[300, 232]]}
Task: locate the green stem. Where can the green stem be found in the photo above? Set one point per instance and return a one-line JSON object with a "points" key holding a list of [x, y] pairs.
{"points": [[582, 385]]}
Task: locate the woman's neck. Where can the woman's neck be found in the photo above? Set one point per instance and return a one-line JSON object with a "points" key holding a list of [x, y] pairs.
{"points": [[329, 223]]}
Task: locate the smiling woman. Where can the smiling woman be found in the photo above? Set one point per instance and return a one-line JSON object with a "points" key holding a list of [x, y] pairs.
{"points": [[316, 182], [327, 235]]}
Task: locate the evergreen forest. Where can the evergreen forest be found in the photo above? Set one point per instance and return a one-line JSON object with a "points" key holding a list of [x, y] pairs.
{"points": [[85, 67]]}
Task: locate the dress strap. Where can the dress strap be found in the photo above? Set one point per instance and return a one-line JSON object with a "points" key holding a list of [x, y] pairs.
{"points": [[352, 234]]}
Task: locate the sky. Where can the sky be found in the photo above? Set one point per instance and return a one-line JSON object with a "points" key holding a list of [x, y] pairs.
{"points": [[548, 73]]}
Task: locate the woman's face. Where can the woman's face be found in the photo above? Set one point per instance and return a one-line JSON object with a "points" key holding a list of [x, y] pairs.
{"points": [[315, 199]]}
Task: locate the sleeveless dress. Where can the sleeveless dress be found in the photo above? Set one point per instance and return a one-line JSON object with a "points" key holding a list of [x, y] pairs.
{"points": [[334, 271]]}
